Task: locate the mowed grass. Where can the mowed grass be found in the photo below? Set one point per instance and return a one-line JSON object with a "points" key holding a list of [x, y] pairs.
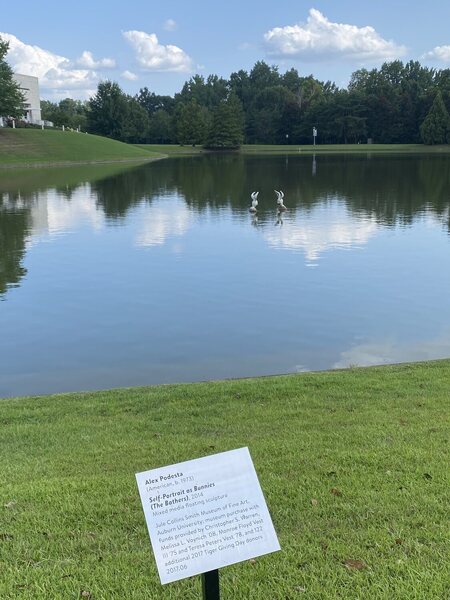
{"points": [[37, 147], [354, 465], [268, 149]]}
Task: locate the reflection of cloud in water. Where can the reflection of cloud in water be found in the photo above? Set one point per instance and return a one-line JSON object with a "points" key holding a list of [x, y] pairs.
{"points": [[52, 214], [394, 351], [321, 229], [164, 218]]}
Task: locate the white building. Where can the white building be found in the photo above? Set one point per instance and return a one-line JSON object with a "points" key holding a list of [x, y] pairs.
{"points": [[29, 86]]}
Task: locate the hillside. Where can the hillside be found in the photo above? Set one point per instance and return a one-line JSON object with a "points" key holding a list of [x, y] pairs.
{"points": [[28, 147]]}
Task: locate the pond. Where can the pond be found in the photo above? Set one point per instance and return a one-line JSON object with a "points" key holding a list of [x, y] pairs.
{"points": [[114, 276]]}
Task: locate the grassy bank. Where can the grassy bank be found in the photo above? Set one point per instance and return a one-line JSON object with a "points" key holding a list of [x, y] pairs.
{"points": [[34, 147], [354, 466], [175, 150]]}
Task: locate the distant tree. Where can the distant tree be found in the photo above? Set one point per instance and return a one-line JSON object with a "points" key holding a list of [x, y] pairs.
{"points": [[11, 98], [436, 127], [161, 128], [227, 126], [49, 111], [192, 123], [135, 124], [153, 102], [108, 110], [241, 86], [263, 76], [207, 93], [68, 112]]}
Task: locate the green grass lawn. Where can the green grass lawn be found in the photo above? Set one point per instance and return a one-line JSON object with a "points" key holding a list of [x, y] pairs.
{"points": [[354, 465], [36, 147], [176, 150]]}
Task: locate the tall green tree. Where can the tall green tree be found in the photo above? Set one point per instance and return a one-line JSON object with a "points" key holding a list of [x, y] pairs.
{"points": [[161, 128], [11, 98], [227, 129], [193, 122], [153, 102], [136, 122], [436, 127], [108, 110]]}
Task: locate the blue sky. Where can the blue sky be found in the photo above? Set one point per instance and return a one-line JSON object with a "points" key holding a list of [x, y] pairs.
{"points": [[161, 44]]}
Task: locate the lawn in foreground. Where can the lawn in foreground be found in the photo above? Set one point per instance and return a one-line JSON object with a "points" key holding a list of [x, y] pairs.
{"points": [[353, 464]]}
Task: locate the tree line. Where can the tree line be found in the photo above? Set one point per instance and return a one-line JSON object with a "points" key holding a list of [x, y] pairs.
{"points": [[396, 103]]}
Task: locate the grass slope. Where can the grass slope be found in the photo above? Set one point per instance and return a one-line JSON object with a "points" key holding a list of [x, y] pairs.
{"points": [[353, 464], [175, 150], [37, 147]]}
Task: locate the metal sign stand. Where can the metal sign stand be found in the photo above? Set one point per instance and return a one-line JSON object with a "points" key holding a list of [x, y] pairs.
{"points": [[210, 585]]}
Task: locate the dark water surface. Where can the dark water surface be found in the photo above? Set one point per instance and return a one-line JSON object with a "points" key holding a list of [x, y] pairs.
{"points": [[159, 273]]}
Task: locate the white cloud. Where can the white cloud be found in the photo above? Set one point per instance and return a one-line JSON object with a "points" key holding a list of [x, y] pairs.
{"points": [[87, 61], [441, 53], [129, 75], [319, 38], [57, 77], [153, 56], [170, 25]]}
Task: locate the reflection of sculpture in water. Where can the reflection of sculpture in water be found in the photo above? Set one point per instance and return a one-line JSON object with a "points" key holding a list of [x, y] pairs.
{"points": [[279, 220], [254, 196], [254, 220], [280, 196]]}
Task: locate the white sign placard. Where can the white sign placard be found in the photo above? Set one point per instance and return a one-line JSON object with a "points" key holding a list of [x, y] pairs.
{"points": [[205, 514]]}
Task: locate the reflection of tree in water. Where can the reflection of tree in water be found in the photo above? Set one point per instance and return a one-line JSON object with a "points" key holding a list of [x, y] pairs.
{"points": [[117, 194], [391, 189], [14, 227]]}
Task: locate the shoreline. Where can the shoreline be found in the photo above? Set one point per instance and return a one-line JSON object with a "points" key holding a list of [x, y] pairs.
{"points": [[79, 163], [234, 380], [165, 151]]}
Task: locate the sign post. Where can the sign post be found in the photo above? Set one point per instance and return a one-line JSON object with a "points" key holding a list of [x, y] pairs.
{"points": [[205, 514], [210, 585]]}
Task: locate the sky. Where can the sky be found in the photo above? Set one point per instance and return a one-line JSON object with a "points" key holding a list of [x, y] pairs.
{"points": [[160, 45]]}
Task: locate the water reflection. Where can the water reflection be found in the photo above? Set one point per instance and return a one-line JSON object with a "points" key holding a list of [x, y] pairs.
{"points": [[166, 217], [391, 350], [343, 207], [143, 274], [52, 215], [320, 229]]}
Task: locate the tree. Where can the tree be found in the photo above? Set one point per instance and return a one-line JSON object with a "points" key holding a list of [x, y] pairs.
{"points": [[436, 127], [192, 121], [227, 126], [153, 102], [108, 110], [11, 98], [136, 123], [68, 112], [160, 129]]}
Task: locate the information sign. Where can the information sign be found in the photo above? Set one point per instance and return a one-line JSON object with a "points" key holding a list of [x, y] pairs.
{"points": [[205, 514]]}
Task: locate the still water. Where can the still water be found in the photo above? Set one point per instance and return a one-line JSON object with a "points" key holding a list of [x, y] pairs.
{"points": [[127, 276]]}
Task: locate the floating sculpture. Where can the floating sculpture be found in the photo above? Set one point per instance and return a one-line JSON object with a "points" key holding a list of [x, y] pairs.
{"points": [[280, 196], [254, 196]]}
